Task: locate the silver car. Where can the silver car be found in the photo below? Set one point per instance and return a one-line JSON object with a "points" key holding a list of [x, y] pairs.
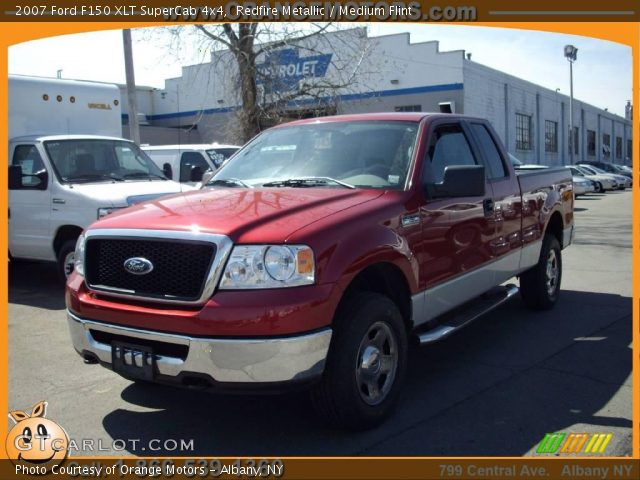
{"points": [[602, 182], [582, 185], [622, 181]]}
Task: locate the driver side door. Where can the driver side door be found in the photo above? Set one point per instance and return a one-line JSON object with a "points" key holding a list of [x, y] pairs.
{"points": [[30, 207]]}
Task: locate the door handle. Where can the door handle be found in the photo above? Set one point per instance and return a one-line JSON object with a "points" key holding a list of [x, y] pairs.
{"points": [[488, 207], [59, 201]]}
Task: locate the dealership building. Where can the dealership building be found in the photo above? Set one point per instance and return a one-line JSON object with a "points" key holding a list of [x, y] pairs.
{"points": [[354, 73]]}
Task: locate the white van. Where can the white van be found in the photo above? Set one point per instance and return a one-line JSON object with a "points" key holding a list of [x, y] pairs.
{"points": [[187, 163], [68, 167]]}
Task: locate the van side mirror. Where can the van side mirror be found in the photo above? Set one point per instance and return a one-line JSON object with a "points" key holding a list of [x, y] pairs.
{"points": [[460, 181], [208, 175], [196, 174], [167, 170], [43, 176], [15, 177]]}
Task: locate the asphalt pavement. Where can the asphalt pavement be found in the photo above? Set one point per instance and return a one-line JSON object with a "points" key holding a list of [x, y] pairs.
{"points": [[496, 388]]}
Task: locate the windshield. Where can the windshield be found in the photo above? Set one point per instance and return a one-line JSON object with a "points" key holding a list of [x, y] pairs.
{"points": [[585, 170], [595, 169], [368, 154], [219, 155], [88, 160]]}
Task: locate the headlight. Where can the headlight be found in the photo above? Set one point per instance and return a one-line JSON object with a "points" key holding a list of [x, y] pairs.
{"points": [[268, 266], [79, 256], [104, 211]]}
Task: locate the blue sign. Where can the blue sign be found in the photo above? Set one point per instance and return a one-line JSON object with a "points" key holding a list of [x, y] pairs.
{"points": [[283, 69]]}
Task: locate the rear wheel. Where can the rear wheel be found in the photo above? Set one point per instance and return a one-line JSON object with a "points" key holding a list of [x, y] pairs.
{"points": [[540, 285], [366, 363]]}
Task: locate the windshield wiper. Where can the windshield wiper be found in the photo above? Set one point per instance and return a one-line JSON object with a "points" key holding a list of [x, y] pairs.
{"points": [[229, 182], [307, 182], [143, 175], [93, 176]]}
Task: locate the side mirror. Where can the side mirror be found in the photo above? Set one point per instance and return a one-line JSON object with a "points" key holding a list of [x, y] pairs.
{"points": [[168, 172], [208, 175], [196, 174], [460, 181], [43, 176], [15, 177]]}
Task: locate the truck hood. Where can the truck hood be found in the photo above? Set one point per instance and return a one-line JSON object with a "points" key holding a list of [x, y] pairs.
{"points": [[258, 215], [124, 194]]}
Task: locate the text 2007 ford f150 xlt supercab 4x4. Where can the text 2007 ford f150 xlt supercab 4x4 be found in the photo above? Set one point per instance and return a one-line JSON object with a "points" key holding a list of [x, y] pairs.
{"points": [[315, 255]]}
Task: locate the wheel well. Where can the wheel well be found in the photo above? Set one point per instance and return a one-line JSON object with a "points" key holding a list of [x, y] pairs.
{"points": [[555, 226], [66, 232], [388, 280]]}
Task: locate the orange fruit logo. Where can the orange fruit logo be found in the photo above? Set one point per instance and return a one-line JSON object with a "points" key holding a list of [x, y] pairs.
{"points": [[35, 440]]}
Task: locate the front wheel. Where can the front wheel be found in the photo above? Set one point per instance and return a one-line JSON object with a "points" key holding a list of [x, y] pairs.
{"points": [[66, 259], [366, 364], [540, 285]]}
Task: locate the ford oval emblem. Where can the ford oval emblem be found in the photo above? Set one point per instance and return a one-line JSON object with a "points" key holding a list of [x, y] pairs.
{"points": [[138, 265]]}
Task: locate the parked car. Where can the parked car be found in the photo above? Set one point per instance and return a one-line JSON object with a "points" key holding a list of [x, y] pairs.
{"points": [[187, 163], [582, 185], [315, 254], [622, 181], [610, 168], [603, 183]]}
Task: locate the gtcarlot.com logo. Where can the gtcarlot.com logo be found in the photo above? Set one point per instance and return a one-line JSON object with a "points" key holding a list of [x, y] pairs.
{"points": [[583, 443]]}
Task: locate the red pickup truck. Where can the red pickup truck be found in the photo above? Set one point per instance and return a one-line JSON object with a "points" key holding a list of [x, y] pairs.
{"points": [[315, 255]]}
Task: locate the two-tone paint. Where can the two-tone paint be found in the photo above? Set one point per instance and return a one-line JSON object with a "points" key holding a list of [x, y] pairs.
{"points": [[436, 253]]}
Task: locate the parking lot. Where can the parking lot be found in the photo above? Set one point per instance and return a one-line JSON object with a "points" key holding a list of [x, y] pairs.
{"points": [[496, 388]]}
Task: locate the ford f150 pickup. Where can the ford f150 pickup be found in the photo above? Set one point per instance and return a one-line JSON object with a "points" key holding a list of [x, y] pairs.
{"points": [[315, 255]]}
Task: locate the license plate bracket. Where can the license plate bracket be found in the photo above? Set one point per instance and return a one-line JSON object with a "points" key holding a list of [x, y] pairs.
{"points": [[133, 361]]}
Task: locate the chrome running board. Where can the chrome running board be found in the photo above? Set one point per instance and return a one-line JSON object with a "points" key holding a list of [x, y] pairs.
{"points": [[477, 308]]}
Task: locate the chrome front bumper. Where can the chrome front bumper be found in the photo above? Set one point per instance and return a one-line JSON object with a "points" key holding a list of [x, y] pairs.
{"points": [[263, 360]]}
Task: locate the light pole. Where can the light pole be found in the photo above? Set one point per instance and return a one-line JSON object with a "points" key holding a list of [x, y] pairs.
{"points": [[571, 54]]}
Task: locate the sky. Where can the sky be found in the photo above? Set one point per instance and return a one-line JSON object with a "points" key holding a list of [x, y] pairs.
{"points": [[602, 73]]}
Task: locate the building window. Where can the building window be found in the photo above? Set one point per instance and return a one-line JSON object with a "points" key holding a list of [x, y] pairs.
{"points": [[591, 143], [550, 136], [575, 141], [618, 147], [409, 108], [523, 132], [606, 145], [629, 149]]}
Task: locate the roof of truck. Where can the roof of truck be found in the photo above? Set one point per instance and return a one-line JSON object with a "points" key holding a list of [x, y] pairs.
{"points": [[188, 146], [382, 116], [44, 138]]}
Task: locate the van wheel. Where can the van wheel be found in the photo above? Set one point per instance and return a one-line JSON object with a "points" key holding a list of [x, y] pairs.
{"points": [[66, 259], [540, 285], [366, 364]]}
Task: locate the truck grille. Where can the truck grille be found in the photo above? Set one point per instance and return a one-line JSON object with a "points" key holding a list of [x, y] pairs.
{"points": [[179, 272]]}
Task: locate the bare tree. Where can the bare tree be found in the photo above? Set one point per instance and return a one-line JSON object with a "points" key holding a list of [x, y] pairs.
{"points": [[251, 56]]}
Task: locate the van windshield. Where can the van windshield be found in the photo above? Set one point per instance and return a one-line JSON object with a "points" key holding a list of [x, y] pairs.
{"points": [[88, 160], [219, 155], [366, 154]]}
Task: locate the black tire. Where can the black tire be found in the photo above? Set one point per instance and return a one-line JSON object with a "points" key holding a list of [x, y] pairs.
{"points": [[67, 248], [341, 397], [540, 286], [599, 188]]}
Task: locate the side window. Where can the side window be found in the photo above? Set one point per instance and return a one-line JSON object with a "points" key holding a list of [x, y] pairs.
{"points": [[188, 160], [29, 159], [495, 167], [448, 147]]}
